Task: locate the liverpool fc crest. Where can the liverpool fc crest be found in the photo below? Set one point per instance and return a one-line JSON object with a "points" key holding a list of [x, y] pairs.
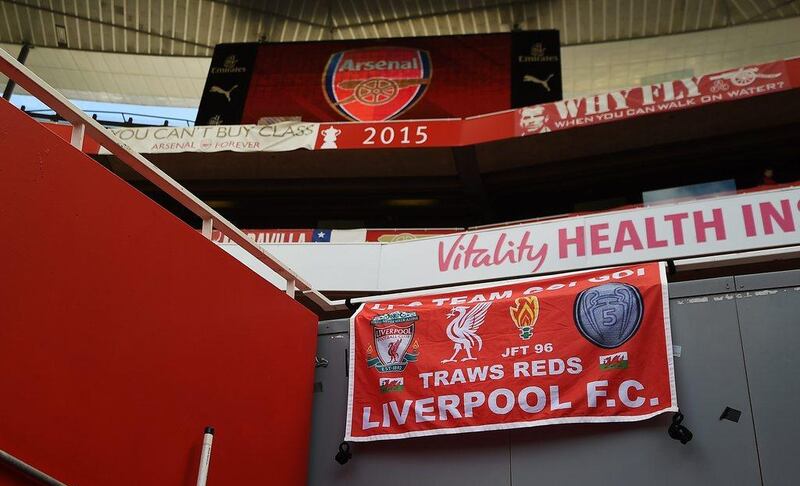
{"points": [[392, 336], [378, 83]]}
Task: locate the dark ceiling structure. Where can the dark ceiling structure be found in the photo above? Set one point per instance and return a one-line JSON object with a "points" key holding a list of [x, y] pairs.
{"points": [[193, 27], [576, 170]]}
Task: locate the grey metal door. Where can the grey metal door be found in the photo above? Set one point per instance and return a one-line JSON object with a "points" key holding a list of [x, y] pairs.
{"points": [[710, 375], [466, 460], [769, 316], [736, 347]]}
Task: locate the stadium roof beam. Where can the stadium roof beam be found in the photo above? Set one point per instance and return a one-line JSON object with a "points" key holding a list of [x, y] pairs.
{"points": [[272, 13], [113, 25], [192, 27], [435, 13]]}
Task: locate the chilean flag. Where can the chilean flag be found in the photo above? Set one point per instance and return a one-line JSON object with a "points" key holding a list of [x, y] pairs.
{"points": [[321, 236]]}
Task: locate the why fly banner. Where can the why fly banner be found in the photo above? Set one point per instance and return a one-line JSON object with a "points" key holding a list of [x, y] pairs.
{"points": [[580, 347]]}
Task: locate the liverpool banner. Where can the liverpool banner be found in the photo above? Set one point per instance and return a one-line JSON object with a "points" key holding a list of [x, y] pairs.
{"points": [[580, 347]]}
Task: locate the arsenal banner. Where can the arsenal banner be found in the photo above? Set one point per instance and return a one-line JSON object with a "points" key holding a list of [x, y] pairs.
{"points": [[580, 347], [381, 79], [278, 137], [666, 96]]}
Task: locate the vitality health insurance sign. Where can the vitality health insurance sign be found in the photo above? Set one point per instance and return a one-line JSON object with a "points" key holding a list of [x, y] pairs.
{"points": [[702, 227], [584, 347]]}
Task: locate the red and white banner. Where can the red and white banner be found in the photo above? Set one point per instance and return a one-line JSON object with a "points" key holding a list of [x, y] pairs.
{"points": [[279, 137], [392, 134], [582, 347], [264, 236], [623, 104], [764, 220], [681, 94], [323, 235]]}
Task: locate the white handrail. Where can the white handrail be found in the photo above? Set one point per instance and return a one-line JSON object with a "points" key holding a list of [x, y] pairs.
{"points": [[81, 122], [29, 470]]}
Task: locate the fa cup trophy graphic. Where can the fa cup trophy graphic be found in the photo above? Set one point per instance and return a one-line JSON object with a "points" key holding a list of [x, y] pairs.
{"points": [[330, 135]]}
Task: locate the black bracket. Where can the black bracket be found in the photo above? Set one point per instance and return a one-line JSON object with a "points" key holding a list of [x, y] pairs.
{"points": [[671, 270], [731, 414], [678, 431], [348, 302], [344, 453]]}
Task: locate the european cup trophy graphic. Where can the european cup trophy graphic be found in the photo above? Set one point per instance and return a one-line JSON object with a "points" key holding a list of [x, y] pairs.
{"points": [[524, 313], [608, 315]]}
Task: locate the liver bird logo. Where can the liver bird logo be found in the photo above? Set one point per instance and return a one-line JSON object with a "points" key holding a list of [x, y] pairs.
{"points": [[463, 329], [393, 346]]}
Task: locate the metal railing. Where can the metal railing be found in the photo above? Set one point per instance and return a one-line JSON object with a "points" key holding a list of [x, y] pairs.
{"points": [[29, 470], [126, 118], [84, 125]]}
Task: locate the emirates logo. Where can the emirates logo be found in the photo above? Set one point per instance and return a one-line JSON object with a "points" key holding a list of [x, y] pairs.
{"points": [[538, 54], [229, 66], [538, 49], [230, 62]]}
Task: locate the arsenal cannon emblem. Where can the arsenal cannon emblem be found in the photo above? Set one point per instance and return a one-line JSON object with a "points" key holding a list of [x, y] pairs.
{"points": [[377, 83], [610, 314]]}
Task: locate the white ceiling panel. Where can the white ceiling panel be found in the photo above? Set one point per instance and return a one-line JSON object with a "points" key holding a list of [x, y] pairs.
{"points": [[131, 50], [121, 78]]}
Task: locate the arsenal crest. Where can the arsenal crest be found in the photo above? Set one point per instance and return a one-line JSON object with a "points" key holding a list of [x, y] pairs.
{"points": [[377, 83], [392, 337]]}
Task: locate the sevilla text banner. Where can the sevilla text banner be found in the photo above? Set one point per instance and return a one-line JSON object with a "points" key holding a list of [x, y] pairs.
{"points": [[581, 347]]}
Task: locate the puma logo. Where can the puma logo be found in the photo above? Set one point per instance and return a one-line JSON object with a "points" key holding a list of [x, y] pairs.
{"points": [[529, 78], [227, 94]]}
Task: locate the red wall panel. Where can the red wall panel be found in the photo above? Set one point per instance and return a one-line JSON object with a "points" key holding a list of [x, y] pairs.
{"points": [[65, 131], [123, 332]]}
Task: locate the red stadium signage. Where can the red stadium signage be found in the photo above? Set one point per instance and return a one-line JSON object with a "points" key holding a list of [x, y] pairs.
{"points": [[619, 105], [681, 94], [268, 236], [379, 83], [575, 348], [394, 134], [382, 79]]}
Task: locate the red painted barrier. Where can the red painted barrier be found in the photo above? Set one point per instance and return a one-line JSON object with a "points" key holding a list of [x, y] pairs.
{"points": [[123, 332], [65, 132]]}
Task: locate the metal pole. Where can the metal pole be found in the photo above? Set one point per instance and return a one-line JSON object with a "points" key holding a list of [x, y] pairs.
{"points": [[23, 55], [205, 456], [29, 470]]}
